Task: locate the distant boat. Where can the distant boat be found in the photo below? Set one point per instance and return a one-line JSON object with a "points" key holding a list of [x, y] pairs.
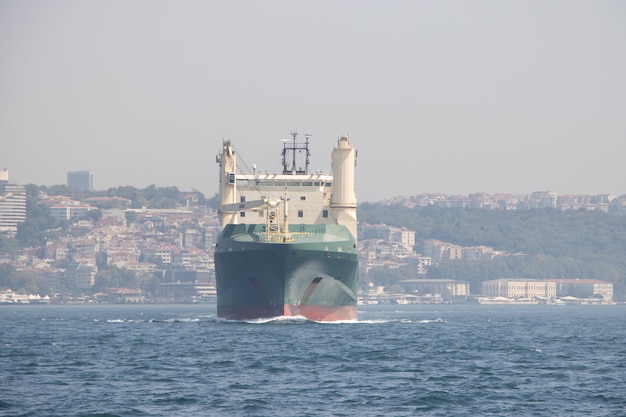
{"points": [[401, 300], [288, 243]]}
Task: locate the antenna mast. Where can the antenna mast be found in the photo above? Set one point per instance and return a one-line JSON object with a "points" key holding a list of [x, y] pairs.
{"points": [[291, 148]]}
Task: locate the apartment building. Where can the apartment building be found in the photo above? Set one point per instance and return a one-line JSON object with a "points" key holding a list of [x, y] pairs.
{"points": [[402, 236], [69, 210], [12, 204]]}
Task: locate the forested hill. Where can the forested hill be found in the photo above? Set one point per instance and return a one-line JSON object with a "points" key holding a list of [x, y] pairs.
{"points": [[556, 244]]}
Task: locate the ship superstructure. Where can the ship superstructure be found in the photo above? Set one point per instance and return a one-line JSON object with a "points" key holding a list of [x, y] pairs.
{"points": [[288, 244]]}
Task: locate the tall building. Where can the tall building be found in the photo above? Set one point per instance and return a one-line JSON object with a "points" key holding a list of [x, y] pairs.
{"points": [[80, 180], [12, 204]]}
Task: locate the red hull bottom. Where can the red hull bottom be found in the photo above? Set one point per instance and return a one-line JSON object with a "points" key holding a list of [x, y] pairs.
{"points": [[315, 313]]}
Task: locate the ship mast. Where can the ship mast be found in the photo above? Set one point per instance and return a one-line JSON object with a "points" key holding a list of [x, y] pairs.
{"points": [[290, 149]]}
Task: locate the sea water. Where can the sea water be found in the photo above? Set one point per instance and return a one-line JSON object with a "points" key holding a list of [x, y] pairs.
{"points": [[431, 360]]}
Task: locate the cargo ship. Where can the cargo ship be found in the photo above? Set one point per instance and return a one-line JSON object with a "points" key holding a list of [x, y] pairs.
{"points": [[288, 240]]}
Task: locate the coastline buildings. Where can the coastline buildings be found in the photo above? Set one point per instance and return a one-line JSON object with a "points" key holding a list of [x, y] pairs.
{"points": [[447, 289], [150, 241], [143, 242], [69, 210], [584, 288], [12, 204], [548, 289], [439, 251], [503, 201], [513, 288]]}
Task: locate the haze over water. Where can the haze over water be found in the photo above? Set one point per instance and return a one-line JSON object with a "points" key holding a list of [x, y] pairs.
{"points": [[434, 360], [480, 96]]}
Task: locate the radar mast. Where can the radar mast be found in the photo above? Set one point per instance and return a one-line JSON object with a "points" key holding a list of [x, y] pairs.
{"points": [[292, 149]]}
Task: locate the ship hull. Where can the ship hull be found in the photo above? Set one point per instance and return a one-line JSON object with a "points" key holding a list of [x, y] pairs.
{"points": [[316, 313], [314, 277]]}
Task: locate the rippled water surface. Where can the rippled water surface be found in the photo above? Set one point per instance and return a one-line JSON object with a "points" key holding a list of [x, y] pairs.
{"points": [[180, 360]]}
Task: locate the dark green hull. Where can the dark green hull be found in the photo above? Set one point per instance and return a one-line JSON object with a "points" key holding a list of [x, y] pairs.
{"points": [[315, 275]]}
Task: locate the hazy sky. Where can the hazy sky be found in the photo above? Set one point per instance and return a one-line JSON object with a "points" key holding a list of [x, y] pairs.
{"points": [[437, 96]]}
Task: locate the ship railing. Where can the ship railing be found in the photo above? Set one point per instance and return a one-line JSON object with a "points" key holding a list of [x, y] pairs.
{"points": [[284, 237]]}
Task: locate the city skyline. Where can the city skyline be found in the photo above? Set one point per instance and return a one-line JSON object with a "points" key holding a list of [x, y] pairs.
{"points": [[449, 97], [423, 198]]}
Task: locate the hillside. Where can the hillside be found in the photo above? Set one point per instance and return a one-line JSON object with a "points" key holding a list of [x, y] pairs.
{"points": [[549, 243]]}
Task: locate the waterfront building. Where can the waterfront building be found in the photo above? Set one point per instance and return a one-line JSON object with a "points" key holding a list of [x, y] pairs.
{"points": [[519, 288], [584, 288], [119, 295], [81, 276], [448, 289]]}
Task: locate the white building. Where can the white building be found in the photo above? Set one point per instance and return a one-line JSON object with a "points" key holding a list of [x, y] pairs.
{"points": [[403, 236], [12, 204], [519, 288], [423, 262], [69, 210]]}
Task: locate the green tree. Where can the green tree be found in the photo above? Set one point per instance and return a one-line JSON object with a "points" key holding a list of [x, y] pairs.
{"points": [[31, 232], [7, 275], [114, 277], [94, 215], [102, 260], [565, 244], [8, 245]]}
